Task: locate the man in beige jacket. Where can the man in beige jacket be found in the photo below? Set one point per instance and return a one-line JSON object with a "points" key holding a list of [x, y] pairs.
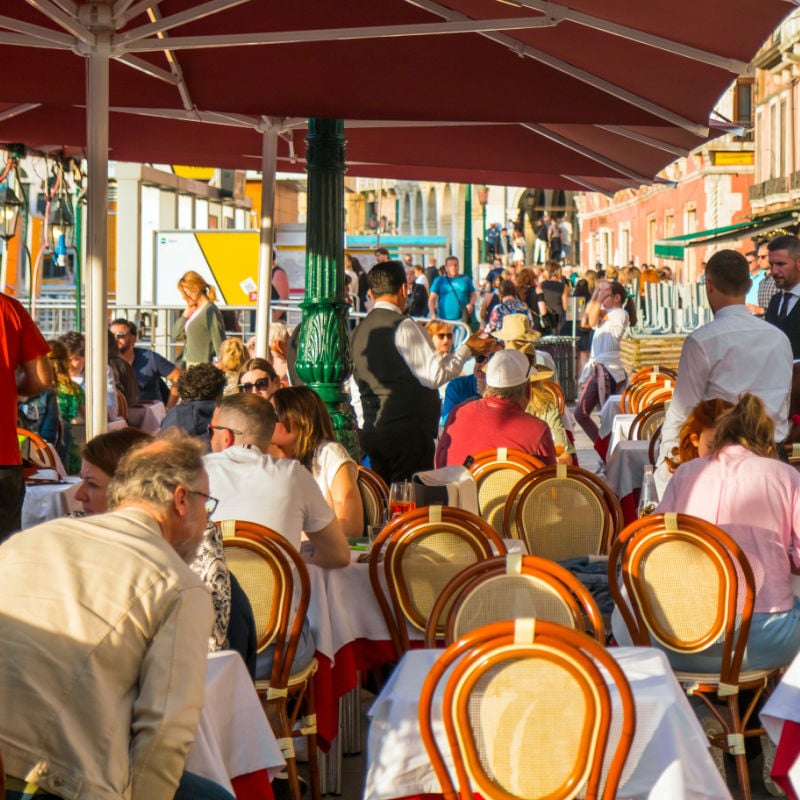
{"points": [[104, 637]]}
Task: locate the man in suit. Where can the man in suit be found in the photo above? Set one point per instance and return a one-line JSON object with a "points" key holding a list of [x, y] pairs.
{"points": [[783, 310]]}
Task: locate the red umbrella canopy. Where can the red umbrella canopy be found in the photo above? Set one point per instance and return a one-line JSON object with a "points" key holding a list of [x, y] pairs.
{"points": [[557, 156], [597, 61]]}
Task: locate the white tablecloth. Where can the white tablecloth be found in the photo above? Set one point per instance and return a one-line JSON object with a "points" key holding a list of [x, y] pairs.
{"points": [[620, 429], [233, 736], [610, 409], [669, 758], [625, 466], [784, 705], [47, 501]]}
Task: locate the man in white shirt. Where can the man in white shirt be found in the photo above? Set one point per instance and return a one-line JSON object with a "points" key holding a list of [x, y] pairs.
{"points": [[276, 492], [604, 374], [734, 353], [398, 372]]}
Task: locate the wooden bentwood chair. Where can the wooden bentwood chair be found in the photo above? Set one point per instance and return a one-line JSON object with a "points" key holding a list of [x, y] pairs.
{"points": [[495, 473], [561, 512], [514, 683], [683, 576], [275, 579], [509, 587], [38, 453], [414, 558], [374, 496]]}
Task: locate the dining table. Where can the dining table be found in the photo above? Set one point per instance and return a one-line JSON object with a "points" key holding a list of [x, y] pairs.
{"points": [[49, 498], [669, 757], [624, 473], [234, 744], [609, 410], [780, 717]]}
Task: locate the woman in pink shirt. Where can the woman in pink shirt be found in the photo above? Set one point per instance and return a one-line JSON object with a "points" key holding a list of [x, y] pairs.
{"points": [[744, 489]]}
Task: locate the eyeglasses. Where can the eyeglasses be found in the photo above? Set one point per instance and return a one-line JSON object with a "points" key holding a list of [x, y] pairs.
{"points": [[444, 335], [211, 502], [212, 428], [261, 385], [121, 335]]}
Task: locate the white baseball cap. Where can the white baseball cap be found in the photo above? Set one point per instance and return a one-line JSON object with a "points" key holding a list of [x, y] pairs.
{"points": [[507, 368]]}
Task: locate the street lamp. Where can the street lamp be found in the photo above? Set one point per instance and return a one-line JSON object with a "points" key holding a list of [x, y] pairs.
{"points": [[10, 206], [483, 199], [61, 222]]}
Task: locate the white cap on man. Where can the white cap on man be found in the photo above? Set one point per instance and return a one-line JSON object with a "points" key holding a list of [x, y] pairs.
{"points": [[507, 368]]}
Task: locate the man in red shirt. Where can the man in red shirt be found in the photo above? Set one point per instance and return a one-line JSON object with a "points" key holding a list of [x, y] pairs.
{"points": [[23, 348], [498, 419]]}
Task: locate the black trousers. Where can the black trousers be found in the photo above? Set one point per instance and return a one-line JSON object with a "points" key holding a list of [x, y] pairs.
{"points": [[12, 493], [397, 454]]}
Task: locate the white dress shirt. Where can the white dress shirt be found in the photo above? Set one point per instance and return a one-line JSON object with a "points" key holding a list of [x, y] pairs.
{"points": [[417, 350], [734, 353], [606, 342]]}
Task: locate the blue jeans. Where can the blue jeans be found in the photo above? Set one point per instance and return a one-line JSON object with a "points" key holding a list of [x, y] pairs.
{"points": [[191, 787]]}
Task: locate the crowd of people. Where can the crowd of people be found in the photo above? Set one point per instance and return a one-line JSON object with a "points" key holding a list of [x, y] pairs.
{"points": [[133, 590]]}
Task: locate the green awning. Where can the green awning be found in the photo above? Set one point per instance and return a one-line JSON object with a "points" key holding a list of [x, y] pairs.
{"points": [[674, 247]]}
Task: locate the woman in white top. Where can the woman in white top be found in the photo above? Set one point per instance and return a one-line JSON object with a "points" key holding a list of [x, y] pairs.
{"points": [[604, 374], [304, 431]]}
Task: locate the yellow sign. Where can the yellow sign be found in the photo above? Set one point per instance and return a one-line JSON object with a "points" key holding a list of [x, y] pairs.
{"points": [[733, 158], [194, 173]]}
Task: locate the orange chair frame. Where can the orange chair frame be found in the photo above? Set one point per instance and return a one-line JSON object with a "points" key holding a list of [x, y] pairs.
{"points": [[483, 650], [369, 482], [570, 590], [389, 548], [732, 620], [616, 517], [280, 555], [39, 446]]}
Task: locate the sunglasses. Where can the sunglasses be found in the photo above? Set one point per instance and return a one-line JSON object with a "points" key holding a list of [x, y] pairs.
{"points": [[121, 335], [444, 335], [212, 428], [261, 385]]}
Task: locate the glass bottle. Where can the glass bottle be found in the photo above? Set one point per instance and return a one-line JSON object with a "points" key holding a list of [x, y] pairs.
{"points": [[648, 499]]}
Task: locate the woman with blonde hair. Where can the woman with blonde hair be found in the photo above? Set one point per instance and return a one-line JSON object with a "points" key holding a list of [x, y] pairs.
{"points": [[232, 354], [304, 431], [201, 326], [743, 488], [278, 350]]}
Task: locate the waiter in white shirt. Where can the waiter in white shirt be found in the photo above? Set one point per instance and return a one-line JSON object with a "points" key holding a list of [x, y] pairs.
{"points": [[734, 353]]}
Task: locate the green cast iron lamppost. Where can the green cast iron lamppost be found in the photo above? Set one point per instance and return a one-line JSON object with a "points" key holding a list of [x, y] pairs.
{"points": [[323, 356]]}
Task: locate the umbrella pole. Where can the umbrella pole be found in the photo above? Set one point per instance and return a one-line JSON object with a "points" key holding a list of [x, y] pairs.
{"points": [[269, 160], [97, 235], [323, 358]]}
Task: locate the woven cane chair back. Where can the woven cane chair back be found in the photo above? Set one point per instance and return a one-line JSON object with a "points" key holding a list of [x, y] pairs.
{"points": [[646, 422], [417, 554], [35, 449], [495, 473], [374, 496], [515, 683], [561, 512], [557, 393], [508, 588]]}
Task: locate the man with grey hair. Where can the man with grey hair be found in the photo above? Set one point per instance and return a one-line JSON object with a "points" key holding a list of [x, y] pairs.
{"points": [[498, 419], [102, 679], [277, 492]]}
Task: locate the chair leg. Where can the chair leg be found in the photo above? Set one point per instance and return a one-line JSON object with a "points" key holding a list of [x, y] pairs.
{"points": [[739, 756], [313, 760]]}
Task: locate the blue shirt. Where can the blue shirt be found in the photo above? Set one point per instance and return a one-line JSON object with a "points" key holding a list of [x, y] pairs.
{"points": [[453, 293], [752, 295], [150, 367]]}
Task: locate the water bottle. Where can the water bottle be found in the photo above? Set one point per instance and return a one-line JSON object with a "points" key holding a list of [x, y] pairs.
{"points": [[648, 499]]}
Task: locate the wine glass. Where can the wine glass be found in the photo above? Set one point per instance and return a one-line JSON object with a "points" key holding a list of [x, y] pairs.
{"points": [[401, 498]]}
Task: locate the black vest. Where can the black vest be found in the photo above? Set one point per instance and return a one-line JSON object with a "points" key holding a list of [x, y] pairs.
{"points": [[392, 398]]}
